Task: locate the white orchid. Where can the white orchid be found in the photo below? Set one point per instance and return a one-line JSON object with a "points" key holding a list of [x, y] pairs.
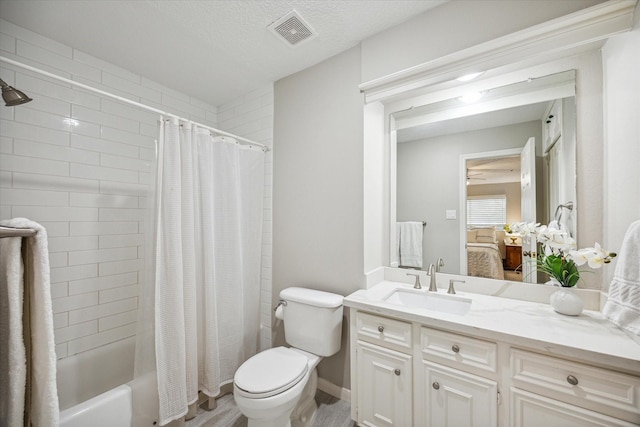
{"points": [[522, 228], [595, 257], [561, 258], [555, 238]]}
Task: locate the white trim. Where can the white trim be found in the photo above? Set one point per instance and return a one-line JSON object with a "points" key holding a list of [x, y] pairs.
{"points": [[334, 390], [563, 34], [128, 101]]}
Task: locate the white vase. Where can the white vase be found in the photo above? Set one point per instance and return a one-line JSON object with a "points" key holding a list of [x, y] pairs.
{"points": [[566, 301]]}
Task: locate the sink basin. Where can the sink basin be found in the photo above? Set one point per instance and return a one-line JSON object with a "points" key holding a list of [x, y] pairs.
{"points": [[428, 300]]}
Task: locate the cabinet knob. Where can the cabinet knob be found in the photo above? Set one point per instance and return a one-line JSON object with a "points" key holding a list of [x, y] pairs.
{"points": [[435, 385], [381, 329], [572, 380], [397, 372], [548, 121], [455, 348], [551, 116]]}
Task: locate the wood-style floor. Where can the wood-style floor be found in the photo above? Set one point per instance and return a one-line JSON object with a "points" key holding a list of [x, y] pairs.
{"points": [[332, 412]]}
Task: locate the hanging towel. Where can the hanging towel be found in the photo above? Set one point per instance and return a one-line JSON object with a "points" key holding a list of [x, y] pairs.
{"points": [[33, 381], [623, 305], [410, 244]]}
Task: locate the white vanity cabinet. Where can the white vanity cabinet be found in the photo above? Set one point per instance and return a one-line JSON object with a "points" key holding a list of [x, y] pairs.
{"points": [[384, 367], [452, 392], [407, 374]]}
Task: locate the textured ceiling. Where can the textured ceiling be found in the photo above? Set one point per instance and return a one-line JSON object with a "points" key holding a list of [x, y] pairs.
{"points": [[215, 50]]}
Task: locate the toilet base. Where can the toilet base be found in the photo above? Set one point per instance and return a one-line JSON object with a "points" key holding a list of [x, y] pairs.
{"points": [[307, 415], [305, 412]]}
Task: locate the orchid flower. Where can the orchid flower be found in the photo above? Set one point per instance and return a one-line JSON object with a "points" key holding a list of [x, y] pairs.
{"points": [[595, 257], [560, 256]]}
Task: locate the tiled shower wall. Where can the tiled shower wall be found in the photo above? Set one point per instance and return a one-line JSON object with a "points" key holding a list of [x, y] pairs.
{"points": [[252, 117], [80, 164]]}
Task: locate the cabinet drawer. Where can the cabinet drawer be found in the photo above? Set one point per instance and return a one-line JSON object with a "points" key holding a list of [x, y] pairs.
{"points": [[381, 330], [458, 351], [532, 410], [596, 388]]}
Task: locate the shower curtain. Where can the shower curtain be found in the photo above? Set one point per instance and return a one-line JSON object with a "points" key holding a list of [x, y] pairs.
{"points": [[209, 200]]}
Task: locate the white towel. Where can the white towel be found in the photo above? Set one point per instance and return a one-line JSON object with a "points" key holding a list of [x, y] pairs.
{"points": [[623, 305], [410, 244], [44, 396], [12, 353]]}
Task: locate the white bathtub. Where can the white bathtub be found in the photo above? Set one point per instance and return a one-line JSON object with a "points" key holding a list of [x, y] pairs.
{"points": [[113, 408], [96, 388]]}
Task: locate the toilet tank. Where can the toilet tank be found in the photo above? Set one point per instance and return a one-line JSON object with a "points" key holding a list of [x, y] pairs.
{"points": [[312, 320]]}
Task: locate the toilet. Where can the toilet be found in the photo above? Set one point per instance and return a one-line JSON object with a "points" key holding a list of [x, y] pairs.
{"points": [[276, 387]]}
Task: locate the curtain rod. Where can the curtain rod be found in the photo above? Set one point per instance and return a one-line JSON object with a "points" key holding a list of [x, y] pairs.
{"points": [[127, 101]]}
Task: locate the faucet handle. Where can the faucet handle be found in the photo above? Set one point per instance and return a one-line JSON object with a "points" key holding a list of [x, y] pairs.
{"points": [[417, 284], [451, 282]]}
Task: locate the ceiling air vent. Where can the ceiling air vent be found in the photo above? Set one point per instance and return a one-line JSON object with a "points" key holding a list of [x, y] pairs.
{"points": [[292, 29]]}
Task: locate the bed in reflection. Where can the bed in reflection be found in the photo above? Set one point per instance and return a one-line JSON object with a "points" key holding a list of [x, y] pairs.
{"points": [[485, 253]]}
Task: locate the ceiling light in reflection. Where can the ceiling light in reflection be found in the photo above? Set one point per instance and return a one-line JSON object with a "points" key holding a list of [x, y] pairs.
{"points": [[71, 122], [468, 77]]}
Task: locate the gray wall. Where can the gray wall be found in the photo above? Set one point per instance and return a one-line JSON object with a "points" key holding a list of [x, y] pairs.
{"points": [[317, 179], [428, 183]]}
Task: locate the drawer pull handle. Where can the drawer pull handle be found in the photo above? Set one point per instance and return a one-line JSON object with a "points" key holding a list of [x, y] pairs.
{"points": [[455, 348], [397, 372], [572, 380], [381, 329], [436, 385]]}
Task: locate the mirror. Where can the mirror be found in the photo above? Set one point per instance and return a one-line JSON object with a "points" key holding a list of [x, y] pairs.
{"points": [[466, 169]]}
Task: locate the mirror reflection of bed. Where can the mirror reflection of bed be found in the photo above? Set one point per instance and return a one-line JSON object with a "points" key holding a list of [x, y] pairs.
{"points": [[493, 254]]}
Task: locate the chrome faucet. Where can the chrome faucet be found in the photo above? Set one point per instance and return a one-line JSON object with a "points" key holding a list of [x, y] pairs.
{"points": [[417, 284], [432, 276], [439, 264], [451, 290]]}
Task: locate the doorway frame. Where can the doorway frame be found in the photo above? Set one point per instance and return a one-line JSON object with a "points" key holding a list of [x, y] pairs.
{"points": [[462, 207]]}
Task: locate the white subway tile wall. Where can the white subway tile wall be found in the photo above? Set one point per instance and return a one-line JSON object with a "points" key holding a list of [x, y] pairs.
{"points": [[252, 117], [80, 164]]}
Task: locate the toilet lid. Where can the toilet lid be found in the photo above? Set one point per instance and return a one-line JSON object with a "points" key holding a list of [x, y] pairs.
{"points": [[271, 371]]}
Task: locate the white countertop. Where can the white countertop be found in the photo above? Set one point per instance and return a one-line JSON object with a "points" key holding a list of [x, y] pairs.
{"points": [[589, 336]]}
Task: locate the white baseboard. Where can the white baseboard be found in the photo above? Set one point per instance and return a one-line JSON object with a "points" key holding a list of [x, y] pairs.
{"points": [[334, 390]]}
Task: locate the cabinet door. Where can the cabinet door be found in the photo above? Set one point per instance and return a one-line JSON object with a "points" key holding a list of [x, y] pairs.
{"points": [[532, 410], [457, 399], [384, 386]]}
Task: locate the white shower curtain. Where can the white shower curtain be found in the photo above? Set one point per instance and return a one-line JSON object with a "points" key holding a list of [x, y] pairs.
{"points": [[208, 253]]}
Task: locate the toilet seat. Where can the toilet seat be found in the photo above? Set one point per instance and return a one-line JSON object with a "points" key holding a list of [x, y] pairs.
{"points": [[271, 372]]}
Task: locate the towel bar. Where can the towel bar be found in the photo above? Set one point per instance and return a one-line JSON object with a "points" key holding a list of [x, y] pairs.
{"points": [[16, 232]]}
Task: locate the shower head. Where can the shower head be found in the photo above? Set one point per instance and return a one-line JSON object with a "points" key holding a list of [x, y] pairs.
{"points": [[13, 96]]}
